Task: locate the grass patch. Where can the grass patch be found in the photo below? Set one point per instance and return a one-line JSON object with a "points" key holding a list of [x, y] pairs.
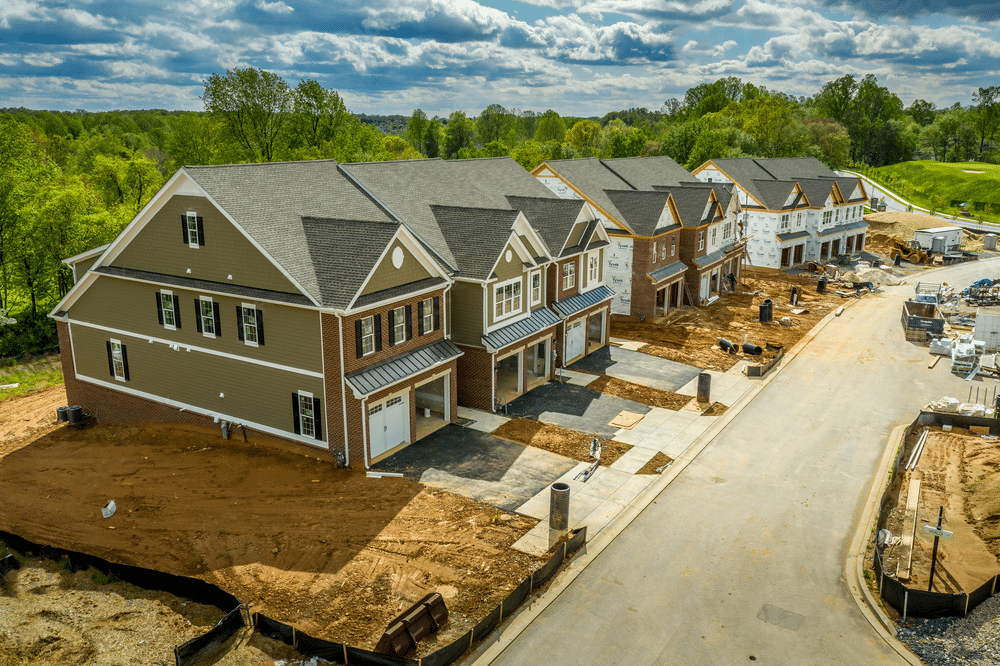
{"points": [[100, 578], [30, 376], [937, 184]]}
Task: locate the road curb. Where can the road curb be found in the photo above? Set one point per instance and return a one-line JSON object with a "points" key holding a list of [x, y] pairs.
{"points": [[854, 564], [490, 651]]}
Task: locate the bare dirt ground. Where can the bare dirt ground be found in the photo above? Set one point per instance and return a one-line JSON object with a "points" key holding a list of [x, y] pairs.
{"points": [[689, 335], [902, 225], [33, 414], [565, 442], [647, 395], [958, 470], [296, 538]]}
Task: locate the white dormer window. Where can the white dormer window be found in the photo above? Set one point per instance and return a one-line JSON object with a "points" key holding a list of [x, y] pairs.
{"points": [[507, 298]]}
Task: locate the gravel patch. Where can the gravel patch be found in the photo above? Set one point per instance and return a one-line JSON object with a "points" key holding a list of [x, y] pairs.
{"points": [[965, 641]]}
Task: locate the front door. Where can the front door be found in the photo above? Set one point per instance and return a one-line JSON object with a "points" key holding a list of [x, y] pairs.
{"points": [[704, 286], [389, 424], [576, 337]]}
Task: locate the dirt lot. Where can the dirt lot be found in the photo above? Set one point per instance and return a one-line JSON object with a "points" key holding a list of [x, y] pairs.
{"points": [[563, 441], [647, 395], [689, 335], [902, 225], [958, 470], [296, 538]]}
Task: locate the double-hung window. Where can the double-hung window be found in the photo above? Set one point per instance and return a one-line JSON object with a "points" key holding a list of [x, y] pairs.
{"points": [[727, 230], [536, 288], [798, 221], [168, 310], [715, 235], [208, 317], [367, 336], [306, 411], [784, 221], [250, 324], [594, 267], [663, 251], [673, 246], [117, 360], [506, 299], [653, 259], [569, 275], [701, 240], [397, 318], [429, 314], [194, 229]]}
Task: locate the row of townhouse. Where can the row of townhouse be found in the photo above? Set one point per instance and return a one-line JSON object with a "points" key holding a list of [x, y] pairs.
{"points": [[674, 239], [349, 307], [793, 209]]}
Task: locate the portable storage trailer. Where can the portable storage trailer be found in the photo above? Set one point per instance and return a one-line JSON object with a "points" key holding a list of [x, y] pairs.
{"points": [[952, 239]]}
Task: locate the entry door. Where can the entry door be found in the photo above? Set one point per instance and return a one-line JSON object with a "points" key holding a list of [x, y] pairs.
{"points": [[389, 424], [576, 336], [704, 285]]}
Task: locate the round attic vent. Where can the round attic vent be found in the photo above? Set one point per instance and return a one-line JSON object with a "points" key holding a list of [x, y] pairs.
{"points": [[397, 257], [508, 256]]}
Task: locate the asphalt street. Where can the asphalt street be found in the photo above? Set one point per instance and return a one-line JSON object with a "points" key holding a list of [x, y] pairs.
{"points": [[741, 557]]}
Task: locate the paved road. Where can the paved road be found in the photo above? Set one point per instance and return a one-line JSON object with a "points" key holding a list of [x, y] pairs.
{"points": [[741, 557]]}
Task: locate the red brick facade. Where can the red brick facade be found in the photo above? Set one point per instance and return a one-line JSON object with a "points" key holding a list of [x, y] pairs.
{"points": [[643, 263]]}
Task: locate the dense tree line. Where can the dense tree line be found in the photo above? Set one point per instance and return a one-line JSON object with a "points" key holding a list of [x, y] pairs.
{"points": [[70, 181]]}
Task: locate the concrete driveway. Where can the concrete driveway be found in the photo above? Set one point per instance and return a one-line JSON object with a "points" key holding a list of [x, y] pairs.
{"points": [[478, 465], [636, 367], [575, 407]]}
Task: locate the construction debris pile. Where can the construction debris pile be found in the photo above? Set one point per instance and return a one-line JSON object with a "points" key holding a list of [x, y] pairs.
{"points": [[949, 405]]}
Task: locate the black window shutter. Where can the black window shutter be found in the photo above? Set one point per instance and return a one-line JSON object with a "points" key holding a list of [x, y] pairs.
{"points": [[177, 311], [260, 327], [437, 313], [239, 322], [420, 318], [111, 360], [218, 320], [392, 327], [295, 413], [357, 337], [125, 362], [159, 309], [197, 313], [201, 232], [409, 322], [317, 419], [184, 228], [377, 321]]}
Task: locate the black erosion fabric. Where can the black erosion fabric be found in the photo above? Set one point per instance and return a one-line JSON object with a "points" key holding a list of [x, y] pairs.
{"points": [[547, 570], [448, 654], [358, 657], [486, 625], [196, 649], [273, 629], [317, 647]]}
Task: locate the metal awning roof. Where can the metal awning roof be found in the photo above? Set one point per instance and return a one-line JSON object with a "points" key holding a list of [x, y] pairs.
{"points": [[668, 271], [369, 380], [540, 319], [709, 259], [795, 235], [842, 228], [578, 302]]}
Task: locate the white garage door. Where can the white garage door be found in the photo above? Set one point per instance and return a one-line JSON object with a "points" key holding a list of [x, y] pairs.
{"points": [[389, 424], [576, 336]]}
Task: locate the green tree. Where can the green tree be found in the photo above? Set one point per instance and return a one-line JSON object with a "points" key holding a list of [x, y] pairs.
{"points": [[320, 113], [832, 142], [836, 99], [254, 105], [496, 123], [874, 106], [432, 139], [987, 114], [529, 154], [192, 140], [416, 130], [585, 137], [922, 112], [459, 133], [526, 125], [551, 127], [126, 184], [772, 123]]}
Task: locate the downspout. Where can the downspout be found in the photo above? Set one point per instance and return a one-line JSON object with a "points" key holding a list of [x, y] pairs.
{"points": [[343, 390], [364, 431]]}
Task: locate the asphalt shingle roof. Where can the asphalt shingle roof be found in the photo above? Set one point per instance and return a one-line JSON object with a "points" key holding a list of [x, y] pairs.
{"points": [[592, 178], [269, 200], [553, 219], [341, 266], [643, 173], [640, 210], [475, 236], [815, 178]]}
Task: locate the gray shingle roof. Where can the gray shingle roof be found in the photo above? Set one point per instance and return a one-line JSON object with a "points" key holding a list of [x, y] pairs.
{"points": [[553, 219], [410, 187], [640, 210], [815, 177], [795, 235], [398, 292], [377, 377], [539, 320], [774, 193], [691, 203], [668, 271], [269, 200], [643, 173], [592, 178], [577, 302], [816, 190], [475, 236], [205, 285], [342, 253]]}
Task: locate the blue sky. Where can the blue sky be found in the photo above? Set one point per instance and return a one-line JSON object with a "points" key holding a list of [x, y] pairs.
{"points": [[579, 58]]}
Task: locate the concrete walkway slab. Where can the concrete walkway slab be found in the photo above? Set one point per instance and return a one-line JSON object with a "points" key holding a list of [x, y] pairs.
{"points": [[638, 368], [479, 420]]}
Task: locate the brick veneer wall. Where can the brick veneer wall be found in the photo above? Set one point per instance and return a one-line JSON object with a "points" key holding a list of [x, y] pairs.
{"points": [[475, 378], [111, 407]]}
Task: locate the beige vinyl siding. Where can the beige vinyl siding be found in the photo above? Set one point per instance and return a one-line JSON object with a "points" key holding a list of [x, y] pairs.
{"points": [[159, 248], [466, 300], [291, 335], [387, 276], [507, 270], [259, 394], [532, 248], [576, 235]]}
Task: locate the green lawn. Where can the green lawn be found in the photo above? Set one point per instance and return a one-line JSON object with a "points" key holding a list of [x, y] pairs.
{"points": [[937, 184], [30, 376]]}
